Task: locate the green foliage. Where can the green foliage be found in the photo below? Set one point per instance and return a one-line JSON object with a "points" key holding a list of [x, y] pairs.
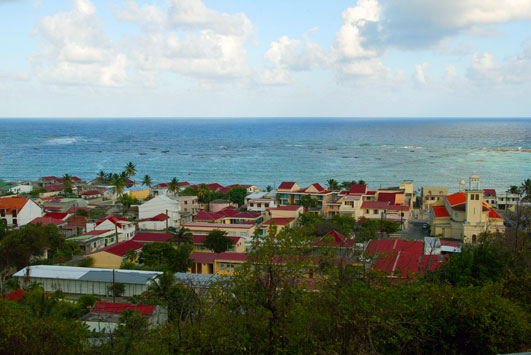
{"points": [[174, 186], [117, 289], [237, 195], [87, 261], [130, 169], [309, 219], [308, 201], [472, 267], [344, 224], [217, 241], [83, 213], [163, 256], [181, 236], [3, 228], [189, 191], [333, 184]]}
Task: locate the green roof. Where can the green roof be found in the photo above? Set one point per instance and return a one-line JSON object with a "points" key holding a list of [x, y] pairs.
{"points": [[71, 199]]}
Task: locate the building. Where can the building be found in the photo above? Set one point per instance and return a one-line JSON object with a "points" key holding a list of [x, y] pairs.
{"points": [[138, 192], [161, 205], [289, 193], [86, 281], [260, 204], [124, 229], [95, 240], [244, 231], [489, 196], [189, 205], [465, 215], [18, 211], [218, 205], [238, 244], [159, 222], [113, 255], [104, 317], [147, 237], [432, 194], [216, 263]]}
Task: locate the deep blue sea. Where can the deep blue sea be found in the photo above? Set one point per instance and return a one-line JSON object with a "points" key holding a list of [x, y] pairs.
{"points": [[267, 151]]}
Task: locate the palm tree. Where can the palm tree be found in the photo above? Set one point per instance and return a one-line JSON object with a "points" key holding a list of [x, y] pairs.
{"points": [[181, 236], [173, 186], [202, 192], [130, 169], [514, 190], [101, 177], [526, 189], [67, 182], [109, 177], [346, 184], [269, 188], [333, 184], [147, 180], [118, 184], [362, 182]]}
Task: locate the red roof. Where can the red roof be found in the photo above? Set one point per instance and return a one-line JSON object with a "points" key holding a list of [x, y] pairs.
{"points": [[286, 185], [398, 208], [109, 307], [151, 237], [278, 221], [285, 208], [456, 199], [122, 248], [229, 211], [208, 216], [11, 203], [44, 221], [338, 240], [371, 192], [14, 296], [214, 186], [317, 186], [53, 188], [387, 245], [489, 192], [248, 215], [387, 196], [74, 209], [57, 215], [113, 219], [93, 192], [358, 189], [440, 211], [48, 178], [203, 257], [375, 204], [494, 214], [158, 218]]}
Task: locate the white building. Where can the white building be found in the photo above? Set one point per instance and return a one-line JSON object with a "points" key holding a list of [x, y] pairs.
{"points": [[161, 205], [123, 228], [260, 204], [18, 211], [21, 188]]}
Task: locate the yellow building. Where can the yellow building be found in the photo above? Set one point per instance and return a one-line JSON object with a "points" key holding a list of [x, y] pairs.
{"points": [[138, 192], [238, 244], [233, 230], [112, 256], [465, 215], [432, 194], [216, 263]]}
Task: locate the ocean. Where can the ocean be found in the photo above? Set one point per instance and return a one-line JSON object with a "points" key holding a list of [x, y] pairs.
{"points": [[264, 152]]}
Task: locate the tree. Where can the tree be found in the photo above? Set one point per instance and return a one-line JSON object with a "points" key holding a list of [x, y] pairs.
{"points": [[514, 190], [333, 184], [202, 193], [87, 261], [181, 236], [130, 169], [163, 256], [117, 289], [118, 184], [308, 201], [147, 180], [174, 187], [269, 188], [237, 195], [102, 177], [218, 241], [526, 189], [3, 228], [362, 182], [67, 182]]}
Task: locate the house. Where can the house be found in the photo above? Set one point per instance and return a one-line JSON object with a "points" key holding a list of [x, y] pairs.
{"points": [[124, 229], [113, 255], [216, 263], [508, 201], [432, 194], [284, 212], [44, 221], [277, 222], [289, 193], [160, 205], [95, 194], [104, 317], [384, 210], [334, 239], [18, 211], [138, 192], [189, 205], [489, 195], [238, 244], [218, 205], [465, 215], [20, 188], [86, 281], [95, 240], [147, 237], [244, 231], [228, 215], [260, 204]]}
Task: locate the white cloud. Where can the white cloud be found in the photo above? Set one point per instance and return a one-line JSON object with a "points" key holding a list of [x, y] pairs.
{"points": [[189, 38], [76, 50], [420, 76], [14, 76]]}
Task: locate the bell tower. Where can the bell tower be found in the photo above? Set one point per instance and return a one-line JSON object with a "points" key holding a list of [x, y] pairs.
{"points": [[474, 201]]}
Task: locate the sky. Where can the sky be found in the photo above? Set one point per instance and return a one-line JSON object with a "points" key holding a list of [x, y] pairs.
{"points": [[241, 58]]}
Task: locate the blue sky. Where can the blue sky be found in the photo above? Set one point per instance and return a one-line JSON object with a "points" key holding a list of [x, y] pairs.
{"points": [[217, 58]]}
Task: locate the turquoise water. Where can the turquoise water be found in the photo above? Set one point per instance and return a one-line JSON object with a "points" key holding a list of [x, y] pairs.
{"points": [[267, 151]]}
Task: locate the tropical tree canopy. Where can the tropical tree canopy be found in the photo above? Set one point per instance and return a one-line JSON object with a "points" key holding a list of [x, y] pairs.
{"points": [[173, 186], [217, 241], [333, 184], [130, 169], [147, 180]]}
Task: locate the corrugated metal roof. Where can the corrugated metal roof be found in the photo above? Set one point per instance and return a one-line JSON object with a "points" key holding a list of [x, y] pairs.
{"points": [[119, 276]]}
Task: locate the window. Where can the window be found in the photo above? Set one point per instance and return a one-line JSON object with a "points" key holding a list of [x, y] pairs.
{"points": [[367, 211], [375, 211], [185, 202]]}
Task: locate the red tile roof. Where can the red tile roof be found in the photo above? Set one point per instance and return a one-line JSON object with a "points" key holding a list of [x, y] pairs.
{"points": [[151, 237], [214, 186], [375, 205], [57, 215], [334, 239], [203, 257], [317, 186], [456, 199], [229, 211], [113, 219], [93, 192], [440, 211], [158, 218], [278, 221], [247, 215], [109, 307], [286, 185], [489, 192], [44, 221], [53, 188], [122, 248], [212, 226], [398, 208], [494, 214], [387, 196], [97, 232], [74, 209], [11, 203], [371, 192], [200, 239], [358, 189], [208, 216]]}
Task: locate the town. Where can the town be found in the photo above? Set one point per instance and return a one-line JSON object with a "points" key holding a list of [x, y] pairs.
{"points": [[113, 239]]}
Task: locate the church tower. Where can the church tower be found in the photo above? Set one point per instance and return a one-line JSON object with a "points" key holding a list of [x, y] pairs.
{"points": [[474, 201]]}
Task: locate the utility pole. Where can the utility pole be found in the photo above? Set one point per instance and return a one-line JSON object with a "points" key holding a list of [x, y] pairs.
{"points": [[167, 218], [113, 287]]}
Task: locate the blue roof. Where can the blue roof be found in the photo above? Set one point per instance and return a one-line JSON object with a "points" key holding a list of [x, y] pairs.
{"points": [[137, 188]]}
